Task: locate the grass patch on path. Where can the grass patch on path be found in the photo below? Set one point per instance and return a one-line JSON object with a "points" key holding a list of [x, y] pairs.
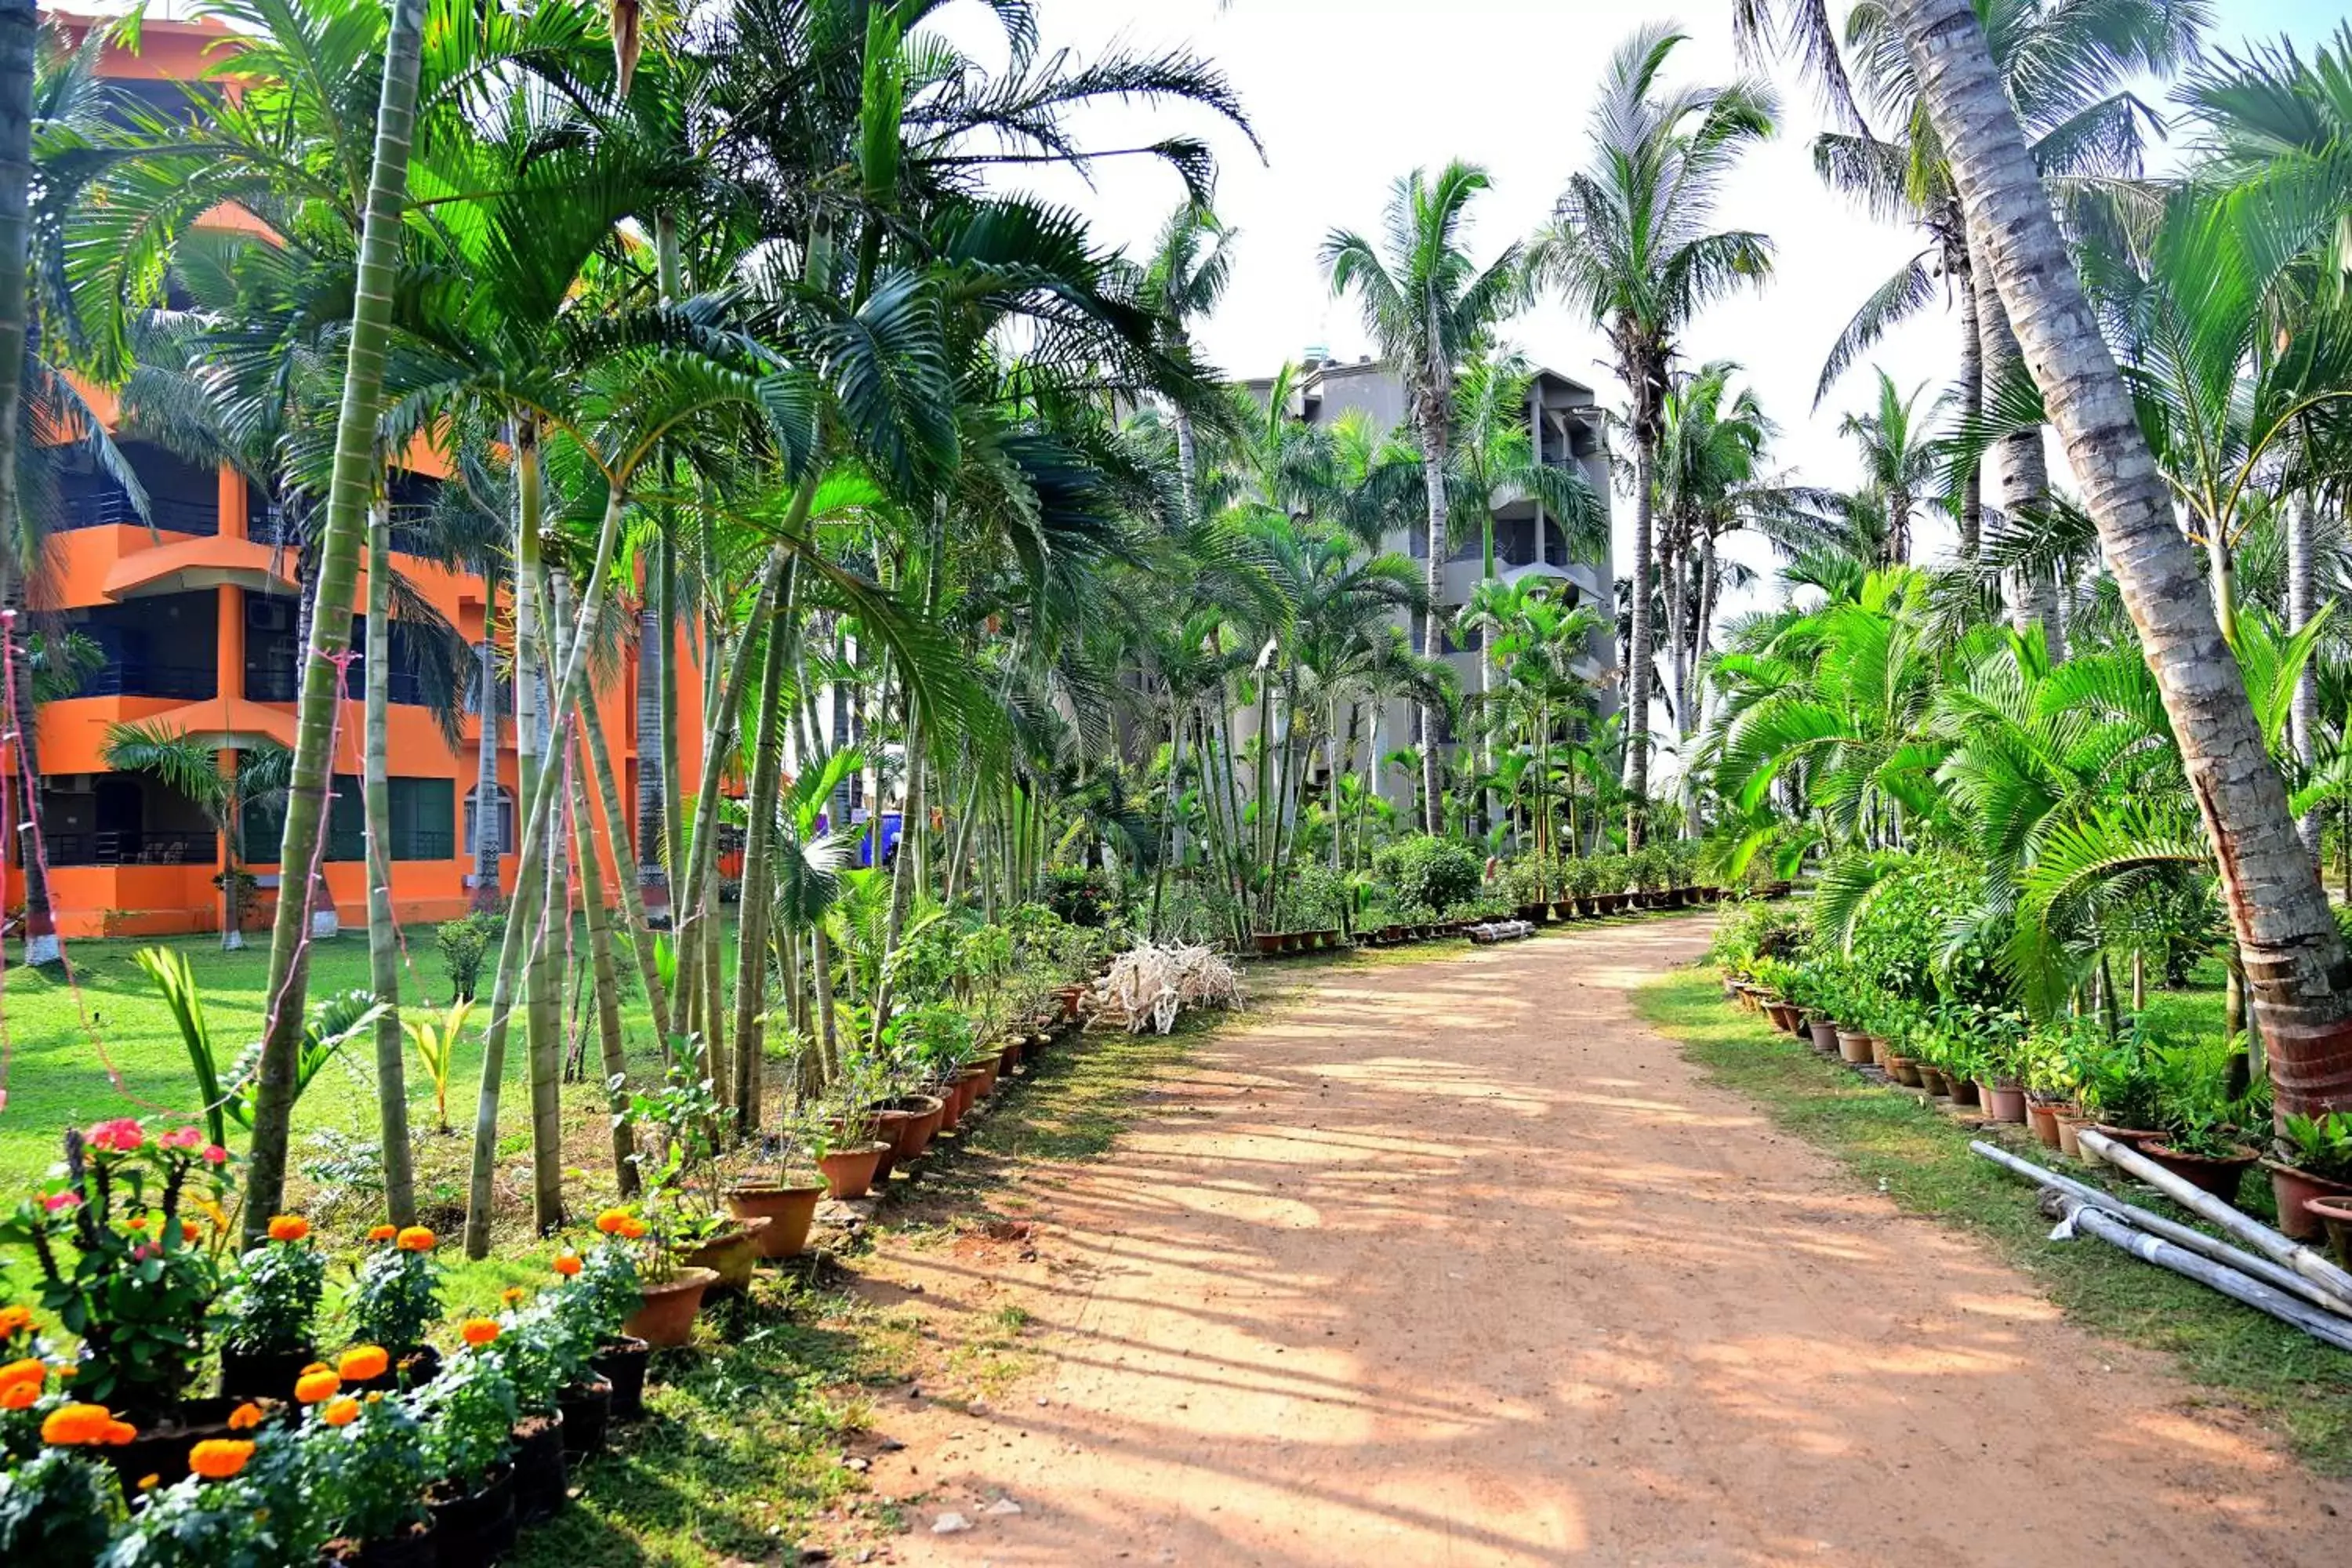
{"points": [[1919, 1156]]}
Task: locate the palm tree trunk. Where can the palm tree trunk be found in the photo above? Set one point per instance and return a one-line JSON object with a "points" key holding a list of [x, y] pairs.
{"points": [[606, 973], [2303, 715], [2024, 470], [754, 904], [1432, 471], [672, 836], [652, 656], [1958, 267], [20, 27], [544, 1019], [641, 936], [383, 937], [1638, 655], [2293, 956], [330, 627], [489, 843], [1188, 465]]}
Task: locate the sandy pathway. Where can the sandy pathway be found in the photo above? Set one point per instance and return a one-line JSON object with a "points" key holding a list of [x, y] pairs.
{"points": [[1456, 1263]]}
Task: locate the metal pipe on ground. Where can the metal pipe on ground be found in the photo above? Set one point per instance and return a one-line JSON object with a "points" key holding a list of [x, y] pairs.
{"points": [[2258, 1236]]}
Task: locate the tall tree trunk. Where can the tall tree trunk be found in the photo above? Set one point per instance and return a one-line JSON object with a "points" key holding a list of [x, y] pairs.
{"points": [[672, 824], [612, 1048], [2024, 470], [653, 655], [489, 842], [384, 936], [330, 627], [2301, 601], [641, 936], [754, 905], [2293, 955], [545, 1015], [1638, 655], [1958, 266], [1433, 442]]}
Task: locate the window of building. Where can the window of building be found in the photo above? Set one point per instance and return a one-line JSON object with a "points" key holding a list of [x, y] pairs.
{"points": [[506, 821], [421, 825]]}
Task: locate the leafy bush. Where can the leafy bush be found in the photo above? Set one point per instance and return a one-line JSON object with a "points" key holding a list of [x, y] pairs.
{"points": [[464, 942], [1426, 869], [1756, 929], [1312, 898], [1079, 895]]}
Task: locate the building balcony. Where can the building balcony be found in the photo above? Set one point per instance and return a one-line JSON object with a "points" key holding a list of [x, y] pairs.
{"points": [[132, 848], [151, 677]]}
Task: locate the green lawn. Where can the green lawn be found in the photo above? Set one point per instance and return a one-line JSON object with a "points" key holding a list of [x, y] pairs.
{"points": [[1920, 1157]]}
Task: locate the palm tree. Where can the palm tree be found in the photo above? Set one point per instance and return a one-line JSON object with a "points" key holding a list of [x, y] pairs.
{"points": [[1189, 270], [2294, 954], [193, 771], [1429, 309], [1630, 247], [1899, 458]]}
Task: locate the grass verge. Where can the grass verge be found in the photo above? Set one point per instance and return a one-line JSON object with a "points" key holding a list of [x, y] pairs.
{"points": [[1919, 1156]]}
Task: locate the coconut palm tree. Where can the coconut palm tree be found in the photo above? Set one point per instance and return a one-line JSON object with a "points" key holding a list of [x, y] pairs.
{"points": [[2293, 955], [1429, 309], [193, 771], [1630, 247], [1187, 274]]}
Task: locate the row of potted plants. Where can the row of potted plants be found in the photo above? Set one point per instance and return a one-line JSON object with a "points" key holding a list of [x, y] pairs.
{"points": [[2181, 1105]]}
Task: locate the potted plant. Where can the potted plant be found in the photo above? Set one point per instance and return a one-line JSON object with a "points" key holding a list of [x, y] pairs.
{"points": [[394, 1300], [246, 1498], [62, 1501], [267, 1313], [668, 1294], [2120, 1093], [531, 1344], [469, 1413], [602, 1286], [366, 1456], [678, 1160], [2205, 1150], [2316, 1161]]}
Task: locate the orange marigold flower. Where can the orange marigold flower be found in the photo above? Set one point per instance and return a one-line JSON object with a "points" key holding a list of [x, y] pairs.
{"points": [[288, 1228], [32, 1370], [137, 1221], [14, 1318], [314, 1367], [244, 1417], [66, 1371], [514, 1295], [150, 1481], [69, 1425], [312, 1388], [417, 1238], [384, 1233], [363, 1363], [190, 1230], [218, 1459], [477, 1330], [118, 1433], [341, 1412], [567, 1263], [611, 1221], [19, 1396], [633, 1229]]}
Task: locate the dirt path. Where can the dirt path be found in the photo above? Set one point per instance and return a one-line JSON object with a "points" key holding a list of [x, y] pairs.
{"points": [[1456, 1263]]}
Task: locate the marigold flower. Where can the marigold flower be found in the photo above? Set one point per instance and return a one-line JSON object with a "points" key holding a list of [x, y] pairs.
{"points": [[633, 1229], [384, 1233], [288, 1228], [567, 1263], [341, 1412], [190, 1232], [14, 1318], [611, 1221], [137, 1221], [363, 1363], [313, 1387], [417, 1238], [514, 1295], [150, 1481], [32, 1370], [118, 1433], [477, 1330], [314, 1367], [120, 1136], [20, 1395], [66, 1370], [70, 1426], [218, 1459], [244, 1417]]}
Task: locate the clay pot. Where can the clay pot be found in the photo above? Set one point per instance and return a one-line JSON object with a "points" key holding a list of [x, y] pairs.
{"points": [[266, 1374], [476, 1528], [887, 1129], [2069, 1124], [587, 1407], [789, 1208], [1008, 1060], [1787, 1016], [1881, 1053], [915, 1135], [988, 1071], [1853, 1045], [2220, 1177], [1931, 1079], [1825, 1035], [2294, 1189], [2334, 1216], [538, 1472], [2042, 1117], [1964, 1089], [1071, 995], [620, 1363], [161, 1449], [1268, 944], [2002, 1101], [2133, 1137], [968, 1082], [732, 1255], [419, 1547], [1904, 1071], [666, 1315], [849, 1172]]}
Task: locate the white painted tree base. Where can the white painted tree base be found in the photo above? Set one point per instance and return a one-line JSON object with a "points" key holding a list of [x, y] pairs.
{"points": [[39, 950]]}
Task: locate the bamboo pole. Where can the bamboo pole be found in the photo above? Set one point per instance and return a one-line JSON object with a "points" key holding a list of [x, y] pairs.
{"points": [[2261, 1237], [2074, 1215]]}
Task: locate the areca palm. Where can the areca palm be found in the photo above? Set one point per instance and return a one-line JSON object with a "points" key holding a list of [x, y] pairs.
{"points": [[1429, 309], [1629, 245], [193, 771]]}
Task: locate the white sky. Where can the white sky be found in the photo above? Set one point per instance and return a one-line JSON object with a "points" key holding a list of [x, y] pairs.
{"points": [[1347, 95]]}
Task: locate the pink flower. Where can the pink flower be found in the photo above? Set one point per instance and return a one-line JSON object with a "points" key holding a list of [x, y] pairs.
{"points": [[120, 1136], [182, 1138], [214, 1154], [146, 1250], [56, 1201]]}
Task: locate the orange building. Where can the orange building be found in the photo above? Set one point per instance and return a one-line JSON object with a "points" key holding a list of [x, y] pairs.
{"points": [[197, 620]]}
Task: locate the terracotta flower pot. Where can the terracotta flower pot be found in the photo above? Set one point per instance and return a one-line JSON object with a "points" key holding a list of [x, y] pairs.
{"points": [[620, 1363], [666, 1315], [1268, 944], [732, 1255], [849, 1172], [2042, 1117], [2334, 1216], [1825, 1036], [2002, 1101], [1880, 1052], [789, 1208], [2221, 1177], [473, 1530], [988, 1072], [1008, 1061], [1964, 1089], [1071, 995], [1931, 1079], [889, 1127], [2293, 1188], [1853, 1045], [1904, 1071], [915, 1135], [2070, 1123]]}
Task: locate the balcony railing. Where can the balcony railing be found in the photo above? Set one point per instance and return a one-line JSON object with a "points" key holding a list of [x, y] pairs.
{"points": [[105, 506], [277, 683], [133, 849], [269, 683], [146, 678]]}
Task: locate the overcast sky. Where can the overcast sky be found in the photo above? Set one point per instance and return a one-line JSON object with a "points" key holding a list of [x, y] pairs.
{"points": [[1347, 95]]}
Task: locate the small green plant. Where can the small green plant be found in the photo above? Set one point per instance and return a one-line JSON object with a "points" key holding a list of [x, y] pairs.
{"points": [[269, 1306], [57, 1507], [464, 943], [395, 1296], [435, 1041], [369, 1472], [469, 1413], [2321, 1145], [1439, 872]]}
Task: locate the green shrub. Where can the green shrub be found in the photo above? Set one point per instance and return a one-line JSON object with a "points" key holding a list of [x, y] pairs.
{"points": [[1080, 895], [1312, 897], [1426, 869], [464, 942]]}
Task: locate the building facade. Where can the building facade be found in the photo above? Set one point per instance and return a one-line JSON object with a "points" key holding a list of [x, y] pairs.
{"points": [[195, 613], [1566, 426]]}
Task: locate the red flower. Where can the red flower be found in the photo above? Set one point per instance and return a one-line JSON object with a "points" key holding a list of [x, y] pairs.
{"points": [[182, 1138], [56, 1201], [120, 1136], [214, 1154]]}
